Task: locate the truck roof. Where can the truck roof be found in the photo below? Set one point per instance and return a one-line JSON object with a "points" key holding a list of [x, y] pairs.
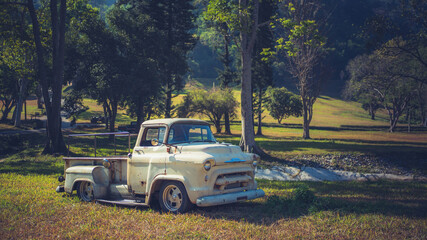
{"points": [[170, 121]]}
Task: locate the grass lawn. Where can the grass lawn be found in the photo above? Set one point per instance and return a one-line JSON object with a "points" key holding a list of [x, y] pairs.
{"points": [[30, 207]]}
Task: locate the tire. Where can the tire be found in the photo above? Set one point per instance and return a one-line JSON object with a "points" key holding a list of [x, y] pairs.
{"points": [[85, 191], [173, 198]]}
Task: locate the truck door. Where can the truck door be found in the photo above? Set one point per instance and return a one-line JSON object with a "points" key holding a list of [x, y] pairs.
{"points": [[148, 159]]}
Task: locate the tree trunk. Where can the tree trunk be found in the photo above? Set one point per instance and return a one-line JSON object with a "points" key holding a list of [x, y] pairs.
{"points": [[113, 116], [248, 136], [371, 111], [7, 104], [21, 97], [39, 96], [106, 116], [227, 123], [409, 120], [247, 41], [259, 130], [140, 115], [168, 106], [306, 123], [217, 123], [55, 141]]}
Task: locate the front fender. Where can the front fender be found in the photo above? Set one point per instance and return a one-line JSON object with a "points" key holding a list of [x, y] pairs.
{"points": [[97, 175], [159, 179]]}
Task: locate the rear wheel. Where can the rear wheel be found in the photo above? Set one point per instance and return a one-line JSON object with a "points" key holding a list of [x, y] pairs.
{"points": [[85, 191], [173, 198]]}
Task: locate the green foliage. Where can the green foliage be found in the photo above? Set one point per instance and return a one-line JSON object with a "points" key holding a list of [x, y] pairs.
{"points": [[282, 104], [73, 104], [137, 31], [173, 22], [385, 77], [212, 104]]}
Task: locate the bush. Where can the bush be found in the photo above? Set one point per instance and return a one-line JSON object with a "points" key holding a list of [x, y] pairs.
{"points": [[282, 104], [303, 194]]}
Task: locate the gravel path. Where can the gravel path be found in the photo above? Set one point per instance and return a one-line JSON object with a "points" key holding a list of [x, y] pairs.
{"points": [[285, 173]]}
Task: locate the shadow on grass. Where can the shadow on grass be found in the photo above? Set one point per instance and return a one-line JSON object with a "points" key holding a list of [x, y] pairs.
{"points": [[297, 199], [340, 146], [348, 127], [32, 167], [359, 198]]}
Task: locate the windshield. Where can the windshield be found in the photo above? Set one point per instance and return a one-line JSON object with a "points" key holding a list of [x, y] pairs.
{"points": [[186, 132]]}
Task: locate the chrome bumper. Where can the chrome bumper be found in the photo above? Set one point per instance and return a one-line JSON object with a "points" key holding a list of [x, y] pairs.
{"points": [[229, 198]]}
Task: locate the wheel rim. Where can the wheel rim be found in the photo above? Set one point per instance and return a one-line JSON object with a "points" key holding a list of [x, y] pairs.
{"points": [[172, 198], [86, 191]]}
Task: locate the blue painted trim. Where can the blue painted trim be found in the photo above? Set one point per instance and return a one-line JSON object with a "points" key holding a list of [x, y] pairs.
{"points": [[235, 160]]}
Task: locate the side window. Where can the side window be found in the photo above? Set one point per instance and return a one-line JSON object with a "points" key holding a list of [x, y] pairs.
{"points": [[153, 133]]}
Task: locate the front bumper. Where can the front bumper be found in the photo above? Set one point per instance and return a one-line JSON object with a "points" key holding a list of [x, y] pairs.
{"points": [[229, 198]]}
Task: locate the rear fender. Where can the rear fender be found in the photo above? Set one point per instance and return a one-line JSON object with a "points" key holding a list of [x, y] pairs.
{"points": [[97, 175]]}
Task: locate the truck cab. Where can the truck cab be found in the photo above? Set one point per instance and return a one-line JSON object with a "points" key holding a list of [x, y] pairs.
{"points": [[176, 162]]}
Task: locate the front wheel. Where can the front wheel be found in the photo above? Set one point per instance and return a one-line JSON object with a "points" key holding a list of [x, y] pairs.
{"points": [[85, 191], [173, 198]]}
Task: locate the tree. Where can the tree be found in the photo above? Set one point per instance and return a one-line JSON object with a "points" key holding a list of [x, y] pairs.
{"points": [[304, 46], [219, 37], [173, 21], [17, 53], [132, 22], [282, 104], [262, 71], [375, 75], [212, 104], [55, 141], [8, 90], [101, 68], [73, 105], [242, 19], [354, 90]]}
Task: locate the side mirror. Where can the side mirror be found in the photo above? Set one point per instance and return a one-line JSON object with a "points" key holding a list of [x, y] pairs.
{"points": [[154, 142]]}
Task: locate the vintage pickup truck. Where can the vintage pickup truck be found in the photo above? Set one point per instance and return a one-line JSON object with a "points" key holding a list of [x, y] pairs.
{"points": [[176, 162]]}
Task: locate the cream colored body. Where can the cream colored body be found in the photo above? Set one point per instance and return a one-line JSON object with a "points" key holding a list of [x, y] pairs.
{"points": [[141, 175]]}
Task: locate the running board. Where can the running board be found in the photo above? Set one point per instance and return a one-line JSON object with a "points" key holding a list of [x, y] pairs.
{"points": [[124, 202]]}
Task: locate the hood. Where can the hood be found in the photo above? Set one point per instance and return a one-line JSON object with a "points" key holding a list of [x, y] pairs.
{"points": [[222, 153]]}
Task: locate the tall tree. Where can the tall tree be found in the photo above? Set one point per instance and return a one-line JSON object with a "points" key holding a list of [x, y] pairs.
{"points": [[55, 141], [173, 20], [304, 45], [375, 75], [219, 37], [104, 67], [136, 28], [17, 52], [262, 71], [242, 18]]}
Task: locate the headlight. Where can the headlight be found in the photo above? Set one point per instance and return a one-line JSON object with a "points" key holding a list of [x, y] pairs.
{"points": [[106, 163], [207, 166]]}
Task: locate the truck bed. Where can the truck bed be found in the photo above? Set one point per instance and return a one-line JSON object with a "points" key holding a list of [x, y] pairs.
{"points": [[118, 169]]}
